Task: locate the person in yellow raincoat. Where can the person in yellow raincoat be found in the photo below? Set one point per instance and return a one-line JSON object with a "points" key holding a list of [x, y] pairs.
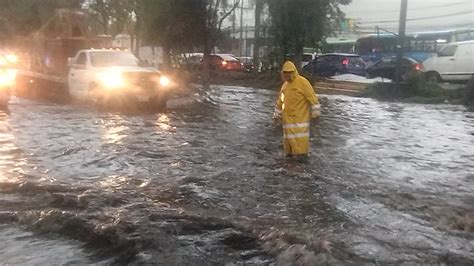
{"points": [[296, 105]]}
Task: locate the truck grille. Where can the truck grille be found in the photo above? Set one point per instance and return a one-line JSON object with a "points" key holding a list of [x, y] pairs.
{"points": [[144, 80]]}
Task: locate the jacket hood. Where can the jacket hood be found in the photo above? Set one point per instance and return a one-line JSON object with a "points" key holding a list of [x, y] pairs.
{"points": [[288, 66]]}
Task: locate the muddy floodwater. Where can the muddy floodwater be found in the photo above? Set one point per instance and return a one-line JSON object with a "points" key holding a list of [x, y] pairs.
{"points": [[205, 183]]}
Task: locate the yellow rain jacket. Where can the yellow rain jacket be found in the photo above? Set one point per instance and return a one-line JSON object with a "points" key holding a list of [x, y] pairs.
{"points": [[295, 106]]}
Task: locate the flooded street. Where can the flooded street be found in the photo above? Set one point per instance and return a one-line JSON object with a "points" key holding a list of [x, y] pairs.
{"points": [[205, 183]]}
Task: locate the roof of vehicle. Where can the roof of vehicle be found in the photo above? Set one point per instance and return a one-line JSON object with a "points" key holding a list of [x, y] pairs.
{"points": [[341, 54], [243, 57], [460, 43], [193, 54], [104, 50], [394, 58], [380, 35], [410, 59], [227, 56]]}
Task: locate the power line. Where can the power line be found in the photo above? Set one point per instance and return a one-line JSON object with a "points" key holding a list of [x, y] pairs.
{"points": [[419, 8], [444, 26], [451, 27], [420, 18], [439, 6]]}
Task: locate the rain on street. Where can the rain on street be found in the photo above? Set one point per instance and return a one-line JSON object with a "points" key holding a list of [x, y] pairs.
{"points": [[205, 182]]}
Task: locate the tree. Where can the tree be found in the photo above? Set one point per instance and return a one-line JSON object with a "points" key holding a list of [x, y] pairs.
{"points": [[22, 17], [213, 12], [112, 16], [259, 4], [174, 25], [296, 23], [101, 14]]}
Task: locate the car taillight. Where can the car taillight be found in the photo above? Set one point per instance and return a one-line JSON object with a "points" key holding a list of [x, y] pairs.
{"points": [[418, 67], [345, 61], [224, 63]]}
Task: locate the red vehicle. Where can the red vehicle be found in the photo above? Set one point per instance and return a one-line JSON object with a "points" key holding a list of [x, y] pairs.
{"points": [[225, 62]]}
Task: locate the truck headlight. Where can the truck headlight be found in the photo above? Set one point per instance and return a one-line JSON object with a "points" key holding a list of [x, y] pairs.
{"points": [[165, 81], [7, 77], [4, 82], [11, 58], [112, 79]]}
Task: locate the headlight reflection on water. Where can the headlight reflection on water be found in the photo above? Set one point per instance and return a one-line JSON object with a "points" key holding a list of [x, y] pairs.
{"points": [[114, 182], [164, 123], [114, 129], [9, 160]]}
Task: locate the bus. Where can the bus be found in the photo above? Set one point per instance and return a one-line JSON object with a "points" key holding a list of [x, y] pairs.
{"points": [[338, 45], [419, 46]]}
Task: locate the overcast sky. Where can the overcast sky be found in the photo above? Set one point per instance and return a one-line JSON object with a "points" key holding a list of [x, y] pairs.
{"points": [[423, 15]]}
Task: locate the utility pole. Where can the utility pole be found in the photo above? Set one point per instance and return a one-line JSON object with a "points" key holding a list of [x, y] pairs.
{"points": [[401, 39], [233, 22], [256, 44], [245, 41], [241, 39]]}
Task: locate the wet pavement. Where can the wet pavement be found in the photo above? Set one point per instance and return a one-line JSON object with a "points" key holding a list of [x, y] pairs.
{"points": [[205, 183]]}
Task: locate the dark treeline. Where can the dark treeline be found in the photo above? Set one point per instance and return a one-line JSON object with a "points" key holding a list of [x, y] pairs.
{"points": [[185, 25]]}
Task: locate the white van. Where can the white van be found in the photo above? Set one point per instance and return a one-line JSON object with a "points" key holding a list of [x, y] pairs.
{"points": [[455, 62]]}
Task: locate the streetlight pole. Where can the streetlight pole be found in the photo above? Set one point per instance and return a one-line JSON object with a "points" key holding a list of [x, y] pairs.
{"points": [[401, 39], [241, 39], [256, 44]]}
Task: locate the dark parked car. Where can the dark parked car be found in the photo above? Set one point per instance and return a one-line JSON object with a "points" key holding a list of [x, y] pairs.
{"points": [[328, 65], [190, 61], [225, 62], [385, 68], [248, 63]]}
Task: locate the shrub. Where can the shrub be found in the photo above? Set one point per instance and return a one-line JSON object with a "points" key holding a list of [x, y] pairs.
{"points": [[414, 89]]}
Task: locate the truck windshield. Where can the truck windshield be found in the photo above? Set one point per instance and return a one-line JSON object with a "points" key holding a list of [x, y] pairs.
{"points": [[112, 58]]}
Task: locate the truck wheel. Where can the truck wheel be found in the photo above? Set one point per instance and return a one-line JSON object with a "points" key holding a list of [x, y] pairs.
{"points": [[4, 104], [96, 99], [158, 103], [433, 77], [93, 93]]}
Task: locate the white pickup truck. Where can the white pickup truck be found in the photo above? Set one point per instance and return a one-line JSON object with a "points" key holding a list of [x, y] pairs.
{"points": [[115, 78]]}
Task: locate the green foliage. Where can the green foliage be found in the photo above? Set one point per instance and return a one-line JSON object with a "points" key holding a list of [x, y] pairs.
{"points": [[184, 23], [176, 25], [22, 17], [299, 23], [417, 86], [416, 90], [216, 12], [172, 23], [112, 16]]}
